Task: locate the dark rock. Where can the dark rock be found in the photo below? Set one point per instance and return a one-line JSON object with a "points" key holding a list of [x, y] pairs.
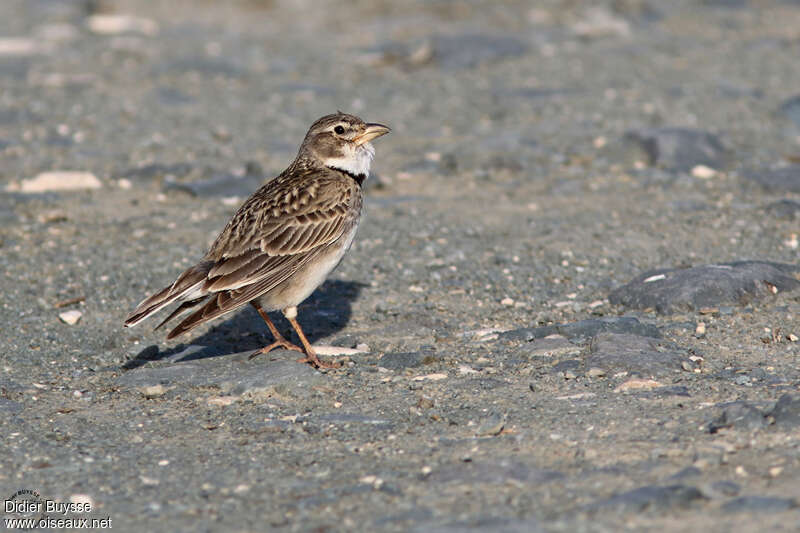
{"points": [[202, 65], [493, 524], [157, 171], [786, 412], [676, 289], [650, 498], [791, 110], [234, 374], [494, 471], [217, 185], [725, 488], [689, 471], [679, 149], [470, 50], [584, 329], [738, 415], [172, 96], [9, 407], [760, 504], [400, 360], [783, 179], [552, 346], [787, 209], [645, 356], [664, 392], [567, 365]]}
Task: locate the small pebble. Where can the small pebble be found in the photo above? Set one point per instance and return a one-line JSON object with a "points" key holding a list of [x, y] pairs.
{"points": [[83, 499], [703, 172], [431, 377], [154, 391], [70, 317], [595, 372], [59, 181], [221, 401], [700, 330], [638, 384], [508, 302]]}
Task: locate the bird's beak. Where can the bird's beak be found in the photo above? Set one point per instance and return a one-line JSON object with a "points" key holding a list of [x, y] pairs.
{"points": [[373, 131]]}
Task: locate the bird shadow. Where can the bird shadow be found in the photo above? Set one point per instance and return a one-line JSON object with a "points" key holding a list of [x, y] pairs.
{"points": [[326, 312]]}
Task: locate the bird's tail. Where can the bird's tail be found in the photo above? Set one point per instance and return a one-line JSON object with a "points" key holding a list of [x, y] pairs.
{"points": [[188, 286]]}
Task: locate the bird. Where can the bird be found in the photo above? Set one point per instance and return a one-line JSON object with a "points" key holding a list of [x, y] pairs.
{"points": [[283, 241]]}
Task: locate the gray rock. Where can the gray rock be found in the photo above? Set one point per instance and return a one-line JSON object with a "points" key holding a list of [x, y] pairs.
{"points": [[584, 329], [217, 185], [470, 50], [234, 374], [650, 498], [738, 415], [354, 418], [783, 179], [705, 286], [482, 524], [635, 354], [157, 171], [786, 412], [493, 471], [9, 407], [548, 347], [791, 110], [725, 488], [786, 209], [760, 504], [401, 360], [678, 149]]}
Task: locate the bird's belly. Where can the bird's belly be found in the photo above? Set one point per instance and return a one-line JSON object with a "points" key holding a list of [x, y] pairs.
{"points": [[310, 276]]}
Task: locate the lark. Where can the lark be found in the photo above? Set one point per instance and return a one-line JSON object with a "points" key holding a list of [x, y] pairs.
{"points": [[283, 241]]}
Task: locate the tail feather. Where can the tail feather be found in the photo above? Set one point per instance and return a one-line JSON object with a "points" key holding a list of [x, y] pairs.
{"points": [[188, 285]]}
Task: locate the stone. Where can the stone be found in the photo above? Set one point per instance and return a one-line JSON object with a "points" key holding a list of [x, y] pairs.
{"points": [[550, 346], [401, 360], [584, 329], [491, 425], [786, 209], [18, 46], [497, 471], [781, 179], [689, 289], [760, 504], [231, 374], [738, 415], [10, 407], [225, 185], [57, 181], [115, 24], [676, 149], [650, 498], [157, 171], [643, 356], [786, 413], [70, 317], [790, 109]]}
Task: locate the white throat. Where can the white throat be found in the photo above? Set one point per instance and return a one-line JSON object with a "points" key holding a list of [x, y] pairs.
{"points": [[356, 160]]}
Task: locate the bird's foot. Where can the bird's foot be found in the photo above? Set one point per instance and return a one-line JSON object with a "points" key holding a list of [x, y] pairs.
{"points": [[283, 343], [312, 359]]}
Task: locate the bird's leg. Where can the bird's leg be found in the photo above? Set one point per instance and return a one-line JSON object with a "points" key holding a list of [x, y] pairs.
{"points": [[280, 340], [311, 356]]}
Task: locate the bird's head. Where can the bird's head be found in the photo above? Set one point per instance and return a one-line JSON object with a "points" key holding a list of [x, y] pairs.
{"points": [[342, 141]]}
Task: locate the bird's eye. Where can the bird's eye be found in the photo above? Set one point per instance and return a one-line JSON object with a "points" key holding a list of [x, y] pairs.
{"points": [[338, 129]]}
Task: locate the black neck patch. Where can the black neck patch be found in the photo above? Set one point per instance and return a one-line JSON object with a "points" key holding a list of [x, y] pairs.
{"points": [[358, 178]]}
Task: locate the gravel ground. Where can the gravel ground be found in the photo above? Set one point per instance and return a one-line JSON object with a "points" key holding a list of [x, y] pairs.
{"points": [[573, 298]]}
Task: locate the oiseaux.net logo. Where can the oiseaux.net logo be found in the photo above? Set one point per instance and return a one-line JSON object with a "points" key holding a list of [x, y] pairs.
{"points": [[26, 509]]}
